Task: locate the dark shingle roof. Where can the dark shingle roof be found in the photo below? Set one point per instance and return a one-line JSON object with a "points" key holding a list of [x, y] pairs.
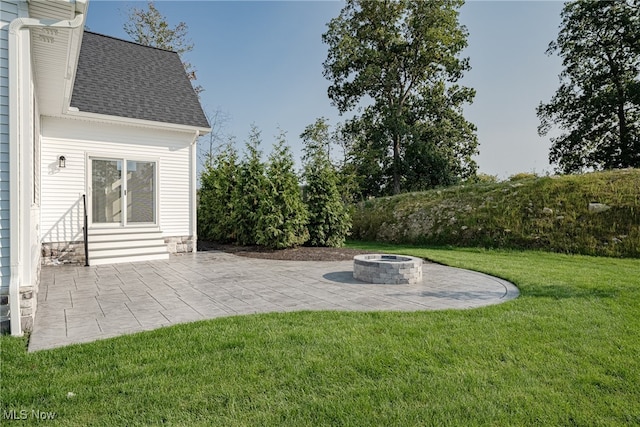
{"points": [[125, 79]]}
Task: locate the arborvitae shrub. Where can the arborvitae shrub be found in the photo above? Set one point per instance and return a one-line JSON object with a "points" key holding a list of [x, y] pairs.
{"points": [[250, 192], [329, 220], [283, 215], [216, 207]]}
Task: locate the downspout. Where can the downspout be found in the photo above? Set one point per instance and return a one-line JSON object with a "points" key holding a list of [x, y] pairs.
{"points": [[16, 217], [194, 192]]}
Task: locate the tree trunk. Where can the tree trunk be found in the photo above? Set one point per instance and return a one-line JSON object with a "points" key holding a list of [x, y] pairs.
{"points": [[396, 164], [626, 150], [626, 147]]}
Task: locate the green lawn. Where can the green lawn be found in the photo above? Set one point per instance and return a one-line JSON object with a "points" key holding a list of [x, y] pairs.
{"points": [[566, 352]]}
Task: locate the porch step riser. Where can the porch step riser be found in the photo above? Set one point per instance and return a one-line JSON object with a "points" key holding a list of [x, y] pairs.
{"points": [[103, 253], [128, 230], [123, 237], [132, 258], [111, 244]]}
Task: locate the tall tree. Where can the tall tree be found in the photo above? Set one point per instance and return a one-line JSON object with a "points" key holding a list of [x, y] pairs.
{"points": [[282, 221], [150, 28], [250, 190], [598, 101], [329, 219], [217, 139], [216, 210], [402, 58]]}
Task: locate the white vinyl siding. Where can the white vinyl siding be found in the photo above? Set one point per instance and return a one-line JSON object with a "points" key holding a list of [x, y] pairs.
{"points": [[8, 11], [62, 189]]}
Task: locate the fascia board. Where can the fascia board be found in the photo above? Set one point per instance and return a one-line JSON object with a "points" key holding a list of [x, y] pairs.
{"points": [[105, 118]]}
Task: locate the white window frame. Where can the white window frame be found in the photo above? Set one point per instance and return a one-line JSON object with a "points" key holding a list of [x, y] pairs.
{"points": [[123, 222]]}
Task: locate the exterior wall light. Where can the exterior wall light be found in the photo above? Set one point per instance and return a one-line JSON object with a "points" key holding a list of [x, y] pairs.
{"points": [[62, 162]]}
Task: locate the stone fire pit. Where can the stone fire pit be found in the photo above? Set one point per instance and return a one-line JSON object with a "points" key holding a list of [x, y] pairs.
{"points": [[387, 269]]}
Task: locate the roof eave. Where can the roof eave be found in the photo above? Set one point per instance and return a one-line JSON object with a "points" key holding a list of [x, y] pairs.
{"points": [[81, 7], [105, 118], [60, 19], [72, 66]]}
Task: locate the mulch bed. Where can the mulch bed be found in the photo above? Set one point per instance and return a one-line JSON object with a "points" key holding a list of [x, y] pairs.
{"points": [[302, 253]]}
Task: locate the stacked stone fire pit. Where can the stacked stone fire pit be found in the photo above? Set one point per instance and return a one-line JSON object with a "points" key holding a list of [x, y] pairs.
{"points": [[387, 269]]}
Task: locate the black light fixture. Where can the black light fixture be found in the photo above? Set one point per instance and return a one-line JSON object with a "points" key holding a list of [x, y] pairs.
{"points": [[62, 162]]}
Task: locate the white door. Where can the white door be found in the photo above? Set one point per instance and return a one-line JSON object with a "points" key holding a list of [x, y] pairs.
{"points": [[123, 196]]}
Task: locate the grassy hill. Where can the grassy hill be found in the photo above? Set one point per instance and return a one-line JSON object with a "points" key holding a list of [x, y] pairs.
{"points": [[593, 214]]}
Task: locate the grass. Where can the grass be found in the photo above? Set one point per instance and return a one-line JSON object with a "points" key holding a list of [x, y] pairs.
{"points": [[549, 213], [564, 353]]}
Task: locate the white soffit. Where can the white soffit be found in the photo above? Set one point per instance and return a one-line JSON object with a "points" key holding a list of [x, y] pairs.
{"points": [[52, 56]]}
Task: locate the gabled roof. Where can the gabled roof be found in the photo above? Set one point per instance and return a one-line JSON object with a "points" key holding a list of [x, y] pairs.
{"points": [[120, 78]]}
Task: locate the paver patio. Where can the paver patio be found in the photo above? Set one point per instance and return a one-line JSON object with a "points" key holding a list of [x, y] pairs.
{"points": [[81, 304]]}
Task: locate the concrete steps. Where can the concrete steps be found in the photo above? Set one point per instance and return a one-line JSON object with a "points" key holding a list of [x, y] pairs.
{"points": [[111, 246]]}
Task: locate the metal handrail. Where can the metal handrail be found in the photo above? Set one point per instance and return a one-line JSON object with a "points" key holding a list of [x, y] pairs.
{"points": [[85, 232]]}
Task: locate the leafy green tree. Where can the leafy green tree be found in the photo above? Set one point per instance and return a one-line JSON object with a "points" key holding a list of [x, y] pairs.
{"points": [[367, 161], [329, 220], [403, 56], [348, 180], [250, 192], [598, 101], [216, 209], [283, 215], [150, 28]]}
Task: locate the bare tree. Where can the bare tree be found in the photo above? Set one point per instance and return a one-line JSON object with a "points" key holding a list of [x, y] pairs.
{"points": [[210, 145]]}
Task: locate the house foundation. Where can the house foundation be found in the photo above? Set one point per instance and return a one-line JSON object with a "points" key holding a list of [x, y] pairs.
{"points": [[180, 244], [55, 253]]}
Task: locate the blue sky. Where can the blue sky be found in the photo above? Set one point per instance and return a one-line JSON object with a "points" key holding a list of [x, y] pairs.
{"points": [[261, 62]]}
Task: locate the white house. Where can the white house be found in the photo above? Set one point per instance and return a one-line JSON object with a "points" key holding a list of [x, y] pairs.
{"points": [[96, 131]]}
